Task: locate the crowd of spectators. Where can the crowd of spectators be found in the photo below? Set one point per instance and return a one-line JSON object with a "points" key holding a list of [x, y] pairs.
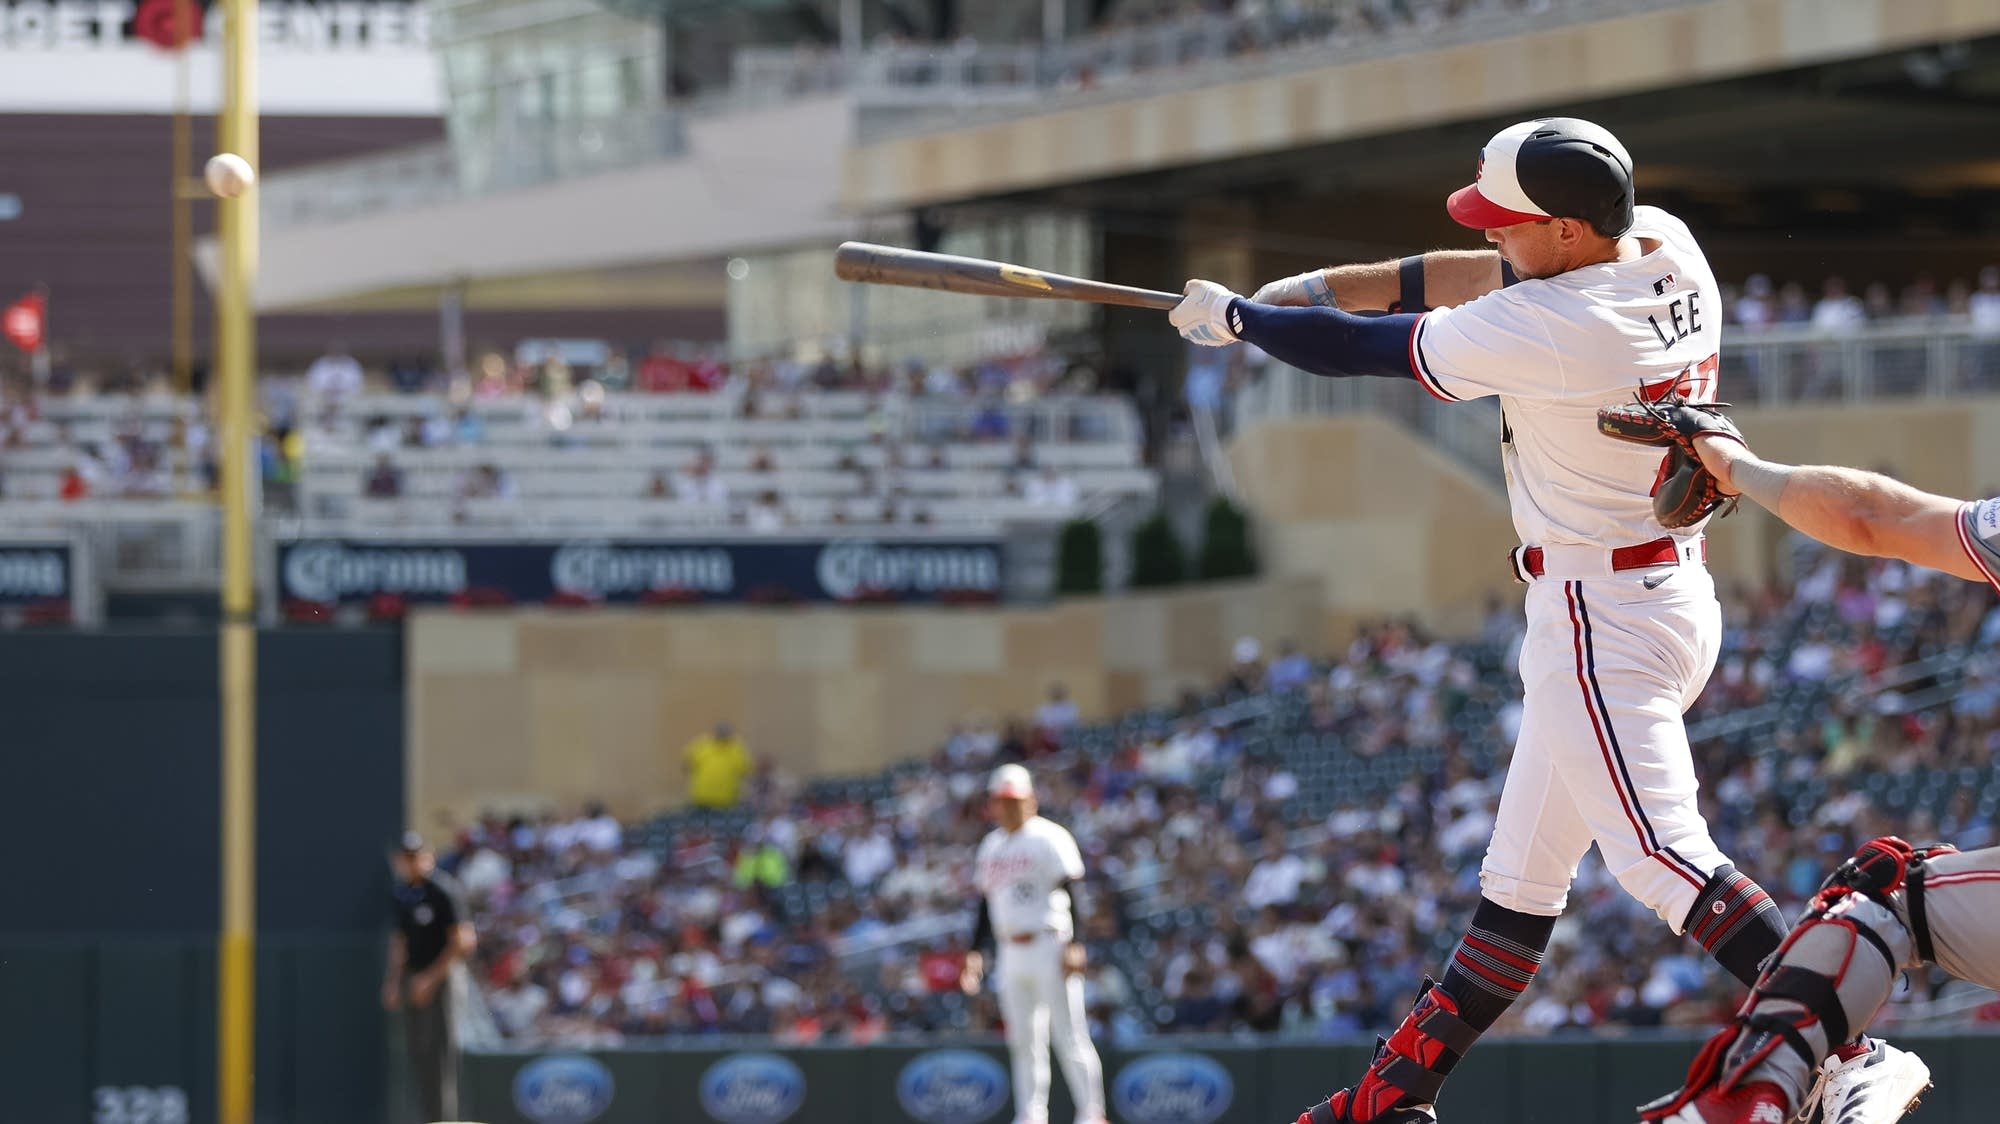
{"points": [[1758, 303], [149, 454], [1290, 849]]}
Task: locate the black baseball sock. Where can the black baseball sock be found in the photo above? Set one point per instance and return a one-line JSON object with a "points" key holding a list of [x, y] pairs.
{"points": [[1736, 922], [1495, 961]]}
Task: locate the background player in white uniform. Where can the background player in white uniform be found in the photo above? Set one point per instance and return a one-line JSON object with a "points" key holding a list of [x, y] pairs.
{"points": [[1026, 871], [1888, 909], [1623, 625]]}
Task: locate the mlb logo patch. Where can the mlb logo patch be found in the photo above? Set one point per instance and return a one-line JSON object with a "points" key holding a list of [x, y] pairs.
{"points": [[1663, 286]]}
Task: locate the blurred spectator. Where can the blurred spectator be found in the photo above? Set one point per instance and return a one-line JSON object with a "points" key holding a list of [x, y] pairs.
{"points": [[1984, 304], [767, 516], [1877, 305], [1793, 307], [717, 764], [485, 482], [1057, 714], [1051, 488], [1838, 310], [700, 484], [334, 377], [1756, 310], [1289, 671], [761, 862], [385, 480], [1276, 877], [1198, 1010]]}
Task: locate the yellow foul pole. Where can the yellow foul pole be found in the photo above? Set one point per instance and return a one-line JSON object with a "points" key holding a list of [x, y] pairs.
{"points": [[235, 362]]}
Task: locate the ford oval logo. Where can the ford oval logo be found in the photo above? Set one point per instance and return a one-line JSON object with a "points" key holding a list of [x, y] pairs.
{"points": [[952, 1087], [1173, 1089], [563, 1089], [752, 1089]]}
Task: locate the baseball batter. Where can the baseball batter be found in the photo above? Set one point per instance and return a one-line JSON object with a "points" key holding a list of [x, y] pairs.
{"points": [[1586, 299], [1026, 870], [1891, 907]]}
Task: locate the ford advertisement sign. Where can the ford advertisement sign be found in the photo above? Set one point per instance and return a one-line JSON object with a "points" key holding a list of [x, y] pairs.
{"points": [[752, 1089], [1172, 1089], [333, 571], [563, 1089], [952, 1087]]}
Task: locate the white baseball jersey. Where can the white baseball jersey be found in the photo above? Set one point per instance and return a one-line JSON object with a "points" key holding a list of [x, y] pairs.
{"points": [[1022, 875], [1556, 349]]}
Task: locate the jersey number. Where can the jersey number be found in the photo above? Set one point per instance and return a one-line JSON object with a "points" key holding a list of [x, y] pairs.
{"points": [[1696, 382]]}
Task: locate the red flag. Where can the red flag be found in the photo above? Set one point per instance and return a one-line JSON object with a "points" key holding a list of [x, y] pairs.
{"points": [[168, 24], [24, 322]]}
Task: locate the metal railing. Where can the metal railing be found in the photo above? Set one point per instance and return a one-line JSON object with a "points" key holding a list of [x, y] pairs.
{"points": [[1934, 358], [1468, 432], [132, 544]]}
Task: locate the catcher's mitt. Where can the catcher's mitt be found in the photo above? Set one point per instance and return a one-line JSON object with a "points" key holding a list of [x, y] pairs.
{"points": [[1685, 492]]}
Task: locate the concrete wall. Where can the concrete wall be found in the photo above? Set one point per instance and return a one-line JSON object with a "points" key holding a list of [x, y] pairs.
{"points": [[1384, 521], [749, 180], [545, 708], [1105, 135], [1387, 524]]}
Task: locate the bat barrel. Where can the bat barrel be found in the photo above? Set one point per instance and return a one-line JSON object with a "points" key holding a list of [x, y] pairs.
{"points": [[890, 265]]}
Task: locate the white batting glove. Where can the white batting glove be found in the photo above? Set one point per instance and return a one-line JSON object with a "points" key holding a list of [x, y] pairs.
{"points": [[1302, 289], [1203, 314]]}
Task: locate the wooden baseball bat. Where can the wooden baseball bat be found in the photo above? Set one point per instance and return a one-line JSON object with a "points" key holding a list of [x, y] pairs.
{"points": [[891, 265]]}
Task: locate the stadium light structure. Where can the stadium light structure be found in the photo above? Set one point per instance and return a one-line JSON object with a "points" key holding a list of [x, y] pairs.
{"points": [[235, 353]]}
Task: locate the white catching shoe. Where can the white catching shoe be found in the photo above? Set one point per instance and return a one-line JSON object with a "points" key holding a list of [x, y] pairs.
{"points": [[1870, 1082]]}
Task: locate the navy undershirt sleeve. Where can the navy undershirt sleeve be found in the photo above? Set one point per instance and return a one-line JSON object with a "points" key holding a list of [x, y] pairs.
{"points": [[1327, 341], [982, 928]]}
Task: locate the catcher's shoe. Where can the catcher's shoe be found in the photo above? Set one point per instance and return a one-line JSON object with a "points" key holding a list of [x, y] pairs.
{"points": [[1869, 1082], [1760, 1102]]}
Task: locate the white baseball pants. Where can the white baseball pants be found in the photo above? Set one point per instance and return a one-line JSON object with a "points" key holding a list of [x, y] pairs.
{"points": [[1608, 667], [1039, 1002]]}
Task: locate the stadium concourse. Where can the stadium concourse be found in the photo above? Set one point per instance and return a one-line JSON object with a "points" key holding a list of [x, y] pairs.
{"points": [[1276, 852]]}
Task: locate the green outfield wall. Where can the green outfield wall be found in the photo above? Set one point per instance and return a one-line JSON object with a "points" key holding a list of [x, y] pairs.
{"points": [[108, 824]]}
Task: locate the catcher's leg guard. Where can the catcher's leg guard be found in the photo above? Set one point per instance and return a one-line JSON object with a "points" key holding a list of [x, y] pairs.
{"points": [[1829, 979], [1408, 1070]]}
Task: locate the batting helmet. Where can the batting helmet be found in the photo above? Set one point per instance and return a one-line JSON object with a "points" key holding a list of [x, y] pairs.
{"points": [[1552, 167]]}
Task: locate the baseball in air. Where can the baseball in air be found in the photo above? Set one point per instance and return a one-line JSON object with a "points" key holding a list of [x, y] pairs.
{"points": [[229, 175]]}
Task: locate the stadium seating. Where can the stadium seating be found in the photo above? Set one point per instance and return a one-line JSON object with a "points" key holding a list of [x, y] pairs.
{"points": [[1380, 772]]}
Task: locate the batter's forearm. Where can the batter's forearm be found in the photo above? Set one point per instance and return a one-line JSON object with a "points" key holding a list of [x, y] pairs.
{"points": [[1451, 277]]}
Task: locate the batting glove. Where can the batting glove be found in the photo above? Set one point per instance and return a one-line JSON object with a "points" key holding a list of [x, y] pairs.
{"points": [[1203, 314], [1305, 288]]}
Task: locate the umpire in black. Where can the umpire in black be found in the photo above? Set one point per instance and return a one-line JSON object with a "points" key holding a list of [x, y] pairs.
{"points": [[433, 934]]}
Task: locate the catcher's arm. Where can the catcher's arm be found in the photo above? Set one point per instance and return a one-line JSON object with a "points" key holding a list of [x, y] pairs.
{"points": [[1856, 511]]}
